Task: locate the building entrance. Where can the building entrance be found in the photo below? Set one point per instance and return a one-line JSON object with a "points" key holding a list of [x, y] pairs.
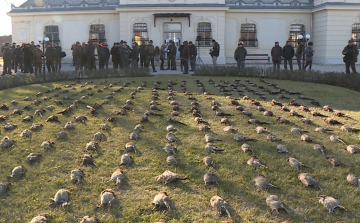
{"points": [[172, 31]]}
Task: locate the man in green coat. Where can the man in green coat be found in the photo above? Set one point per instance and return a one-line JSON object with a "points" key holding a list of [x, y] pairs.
{"points": [[240, 55], [350, 53], [7, 56]]}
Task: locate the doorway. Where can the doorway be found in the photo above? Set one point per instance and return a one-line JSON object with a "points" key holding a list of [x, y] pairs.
{"points": [[172, 31]]}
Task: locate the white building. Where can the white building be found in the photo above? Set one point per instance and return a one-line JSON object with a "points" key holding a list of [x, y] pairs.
{"points": [[258, 23]]}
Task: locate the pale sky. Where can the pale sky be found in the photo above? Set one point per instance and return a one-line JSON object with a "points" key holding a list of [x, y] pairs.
{"points": [[5, 20]]}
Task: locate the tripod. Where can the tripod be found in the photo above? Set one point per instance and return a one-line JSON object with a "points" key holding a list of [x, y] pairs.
{"points": [[198, 53]]}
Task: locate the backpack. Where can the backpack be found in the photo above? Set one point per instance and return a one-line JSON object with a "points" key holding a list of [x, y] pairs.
{"points": [[63, 54]]}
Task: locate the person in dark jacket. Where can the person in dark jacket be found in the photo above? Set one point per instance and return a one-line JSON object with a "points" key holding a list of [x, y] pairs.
{"points": [[215, 52], [7, 55], [185, 57], [309, 53], [50, 58], [83, 56], [288, 54], [299, 52], [142, 54], [101, 56], [28, 59], [115, 55], [150, 54], [163, 50], [181, 47], [276, 53], [350, 53], [126, 55], [37, 55], [58, 51], [107, 54], [18, 57], [240, 55], [78, 55], [171, 56], [193, 54], [134, 55], [90, 56]]}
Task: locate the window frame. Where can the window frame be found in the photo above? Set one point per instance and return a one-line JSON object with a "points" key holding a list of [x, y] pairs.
{"points": [[53, 35], [204, 29], [142, 29], [248, 28], [295, 32], [99, 30], [355, 33]]}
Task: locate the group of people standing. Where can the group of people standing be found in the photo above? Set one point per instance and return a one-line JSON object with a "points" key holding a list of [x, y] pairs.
{"points": [[29, 56], [288, 52]]}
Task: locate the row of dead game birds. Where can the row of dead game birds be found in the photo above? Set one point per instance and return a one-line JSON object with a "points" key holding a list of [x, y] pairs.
{"points": [[209, 178]]}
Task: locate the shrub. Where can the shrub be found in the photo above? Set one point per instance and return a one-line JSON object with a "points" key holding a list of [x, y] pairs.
{"points": [[350, 81]]}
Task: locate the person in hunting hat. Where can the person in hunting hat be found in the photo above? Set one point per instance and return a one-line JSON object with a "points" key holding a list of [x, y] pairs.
{"points": [[50, 58], [18, 58], [58, 55], [240, 55], [142, 54], [350, 53], [115, 55], [171, 56], [150, 54], [7, 55], [276, 54], [185, 57], [37, 59], [193, 54]]}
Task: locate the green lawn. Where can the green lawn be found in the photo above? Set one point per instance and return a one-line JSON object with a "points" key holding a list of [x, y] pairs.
{"points": [[30, 194]]}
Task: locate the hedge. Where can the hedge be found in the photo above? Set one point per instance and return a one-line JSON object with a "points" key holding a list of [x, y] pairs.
{"points": [[10, 81], [350, 81]]}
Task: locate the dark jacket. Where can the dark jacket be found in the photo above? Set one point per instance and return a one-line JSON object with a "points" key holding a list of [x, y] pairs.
{"points": [[150, 51], [90, 50], [186, 52], [172, 50], [58, 52], [350, 53], [309, 53], [50, 54], [299, 50], [240, 53], [101, 53], [37, 56], [7, 54], [134, 52], [27, 54], [17, 53], [142, 50], [193, 51], [181, 47], [77, 51], [115, 53], [215, 50], [106, 52], [288, 52], [276, 53]]}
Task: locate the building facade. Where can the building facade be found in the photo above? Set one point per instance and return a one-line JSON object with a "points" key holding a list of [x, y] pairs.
{"points": [[257, 23]]}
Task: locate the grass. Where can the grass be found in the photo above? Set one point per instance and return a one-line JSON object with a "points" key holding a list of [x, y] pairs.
{"points": [[30, 194]]}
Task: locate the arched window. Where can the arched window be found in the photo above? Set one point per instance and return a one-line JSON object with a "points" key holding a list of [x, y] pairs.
{"points": [[97, 33], [140, 33], [356, 33], [248, 35], [53, 33], [204, 34], [295, 31]]}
